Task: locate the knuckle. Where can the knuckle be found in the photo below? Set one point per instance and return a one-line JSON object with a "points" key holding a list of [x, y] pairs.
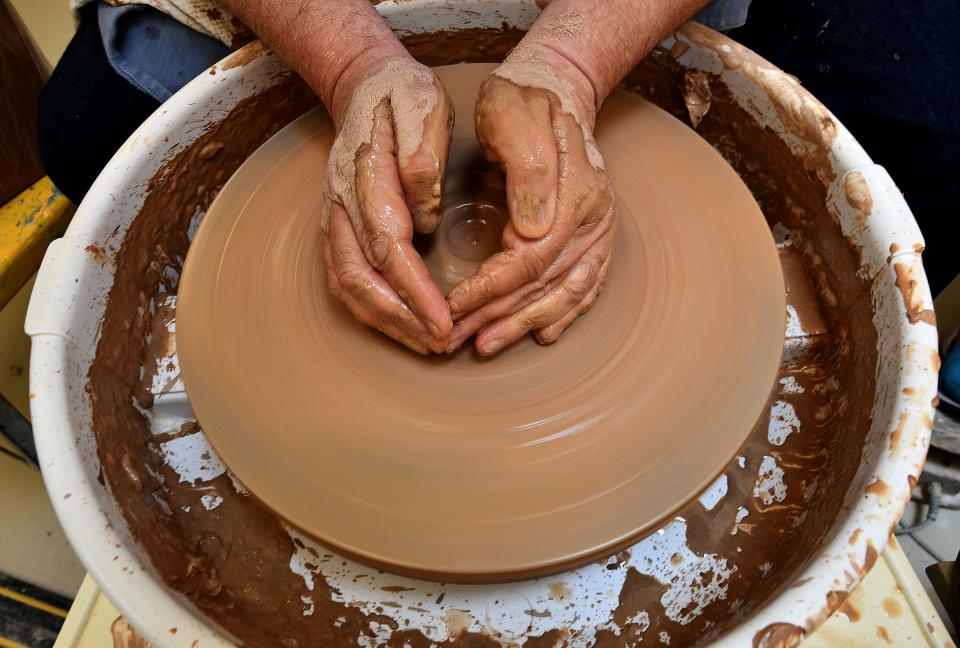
{"points": [[379, 247], [589, 300], [531, 266], [577, 284], [489, 312], [400, 316], [484, 288], [604, 205], [533, 165], [539, 291], [583, 277], [353, 281], [526, 323], [333, 284]]}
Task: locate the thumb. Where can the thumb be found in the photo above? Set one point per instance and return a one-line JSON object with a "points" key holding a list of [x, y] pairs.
{"points": [[515, 130], [422, 163]]}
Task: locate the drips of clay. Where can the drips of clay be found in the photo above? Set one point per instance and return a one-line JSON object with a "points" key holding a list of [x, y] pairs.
{"points": [[461, 468]]}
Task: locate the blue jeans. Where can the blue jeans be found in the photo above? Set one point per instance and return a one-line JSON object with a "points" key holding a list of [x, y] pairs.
{"points": [[151, 50]]}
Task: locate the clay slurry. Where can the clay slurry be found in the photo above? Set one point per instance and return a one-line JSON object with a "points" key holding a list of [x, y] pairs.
{"points": [[427, 465]]}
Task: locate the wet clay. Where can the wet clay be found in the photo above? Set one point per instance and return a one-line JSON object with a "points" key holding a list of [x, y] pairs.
{"points": [[233, 562], [569, 451], [474, 215]]}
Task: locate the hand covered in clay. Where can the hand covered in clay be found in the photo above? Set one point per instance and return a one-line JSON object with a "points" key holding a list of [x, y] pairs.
{"points": [[535, 118], [384, 181]]}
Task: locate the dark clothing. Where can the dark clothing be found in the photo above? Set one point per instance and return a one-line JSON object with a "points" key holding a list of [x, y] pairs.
{"points": [[87, 111], [121, 64], [890, 71]]}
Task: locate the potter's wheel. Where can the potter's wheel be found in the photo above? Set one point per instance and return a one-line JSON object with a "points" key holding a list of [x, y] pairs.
{"points": [[462, 468]]}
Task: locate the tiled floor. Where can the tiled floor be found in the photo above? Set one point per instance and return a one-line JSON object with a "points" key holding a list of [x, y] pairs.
{"points": [[939, 542]]}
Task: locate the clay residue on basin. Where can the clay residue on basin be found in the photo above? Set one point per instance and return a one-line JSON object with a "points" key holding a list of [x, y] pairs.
{"points": [[233, 561]]}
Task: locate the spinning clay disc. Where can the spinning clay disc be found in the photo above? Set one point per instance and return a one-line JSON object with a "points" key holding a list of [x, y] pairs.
{"points": [[462, 468]]}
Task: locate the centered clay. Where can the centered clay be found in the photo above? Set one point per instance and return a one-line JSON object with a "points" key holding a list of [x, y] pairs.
{"points": [[462, 468]]}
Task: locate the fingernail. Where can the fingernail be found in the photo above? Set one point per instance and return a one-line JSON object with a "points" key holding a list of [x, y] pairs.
{"points": [[532, 214], [453, 347], [492, 346], [527, 209], [540, 216]]}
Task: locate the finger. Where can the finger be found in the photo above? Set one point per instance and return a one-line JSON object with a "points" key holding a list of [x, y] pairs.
{"points": [[543, 260], [503, 273], [585, 212], [550, 334], [422, 161], [366, 317], [587, 236], [363, 314], [514, 129], [467, 326], [574, 287], [386, 230], [365, 293]]}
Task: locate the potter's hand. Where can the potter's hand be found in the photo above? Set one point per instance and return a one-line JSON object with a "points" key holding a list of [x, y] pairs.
{"points": [[548, 92], [535, 118], [385, 172], [384, 180]]}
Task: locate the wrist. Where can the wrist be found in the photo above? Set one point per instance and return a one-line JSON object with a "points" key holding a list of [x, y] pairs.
{"points": [[575, 88], [345, 74]]}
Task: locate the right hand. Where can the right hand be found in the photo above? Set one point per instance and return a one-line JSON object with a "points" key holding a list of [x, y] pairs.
{"points": [[384, 180], [535, 117]]}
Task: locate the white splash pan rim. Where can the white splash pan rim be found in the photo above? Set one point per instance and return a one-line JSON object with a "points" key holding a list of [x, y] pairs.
{"points": [[57, 354]]}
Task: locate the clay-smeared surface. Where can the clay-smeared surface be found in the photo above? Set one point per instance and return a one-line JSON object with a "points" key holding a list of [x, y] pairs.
{"points": [[567, 451], [217, 557]]}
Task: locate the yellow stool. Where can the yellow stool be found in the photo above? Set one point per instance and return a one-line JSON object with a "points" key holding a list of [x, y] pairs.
{"points": [[28, 223]]}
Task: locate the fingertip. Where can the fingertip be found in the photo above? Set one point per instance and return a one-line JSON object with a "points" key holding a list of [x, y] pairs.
{"points": [[491, 348], [455, 303], [487, 344], [417, 348], [426, 219], [440, 330], [547, 335]]}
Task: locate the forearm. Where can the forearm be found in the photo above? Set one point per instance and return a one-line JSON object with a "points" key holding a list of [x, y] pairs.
{"points": [[605, 40], [328, 43]]}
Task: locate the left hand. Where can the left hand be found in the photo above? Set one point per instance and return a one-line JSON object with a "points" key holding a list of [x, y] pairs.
{"points": [[535, 118], [384, 180]]}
